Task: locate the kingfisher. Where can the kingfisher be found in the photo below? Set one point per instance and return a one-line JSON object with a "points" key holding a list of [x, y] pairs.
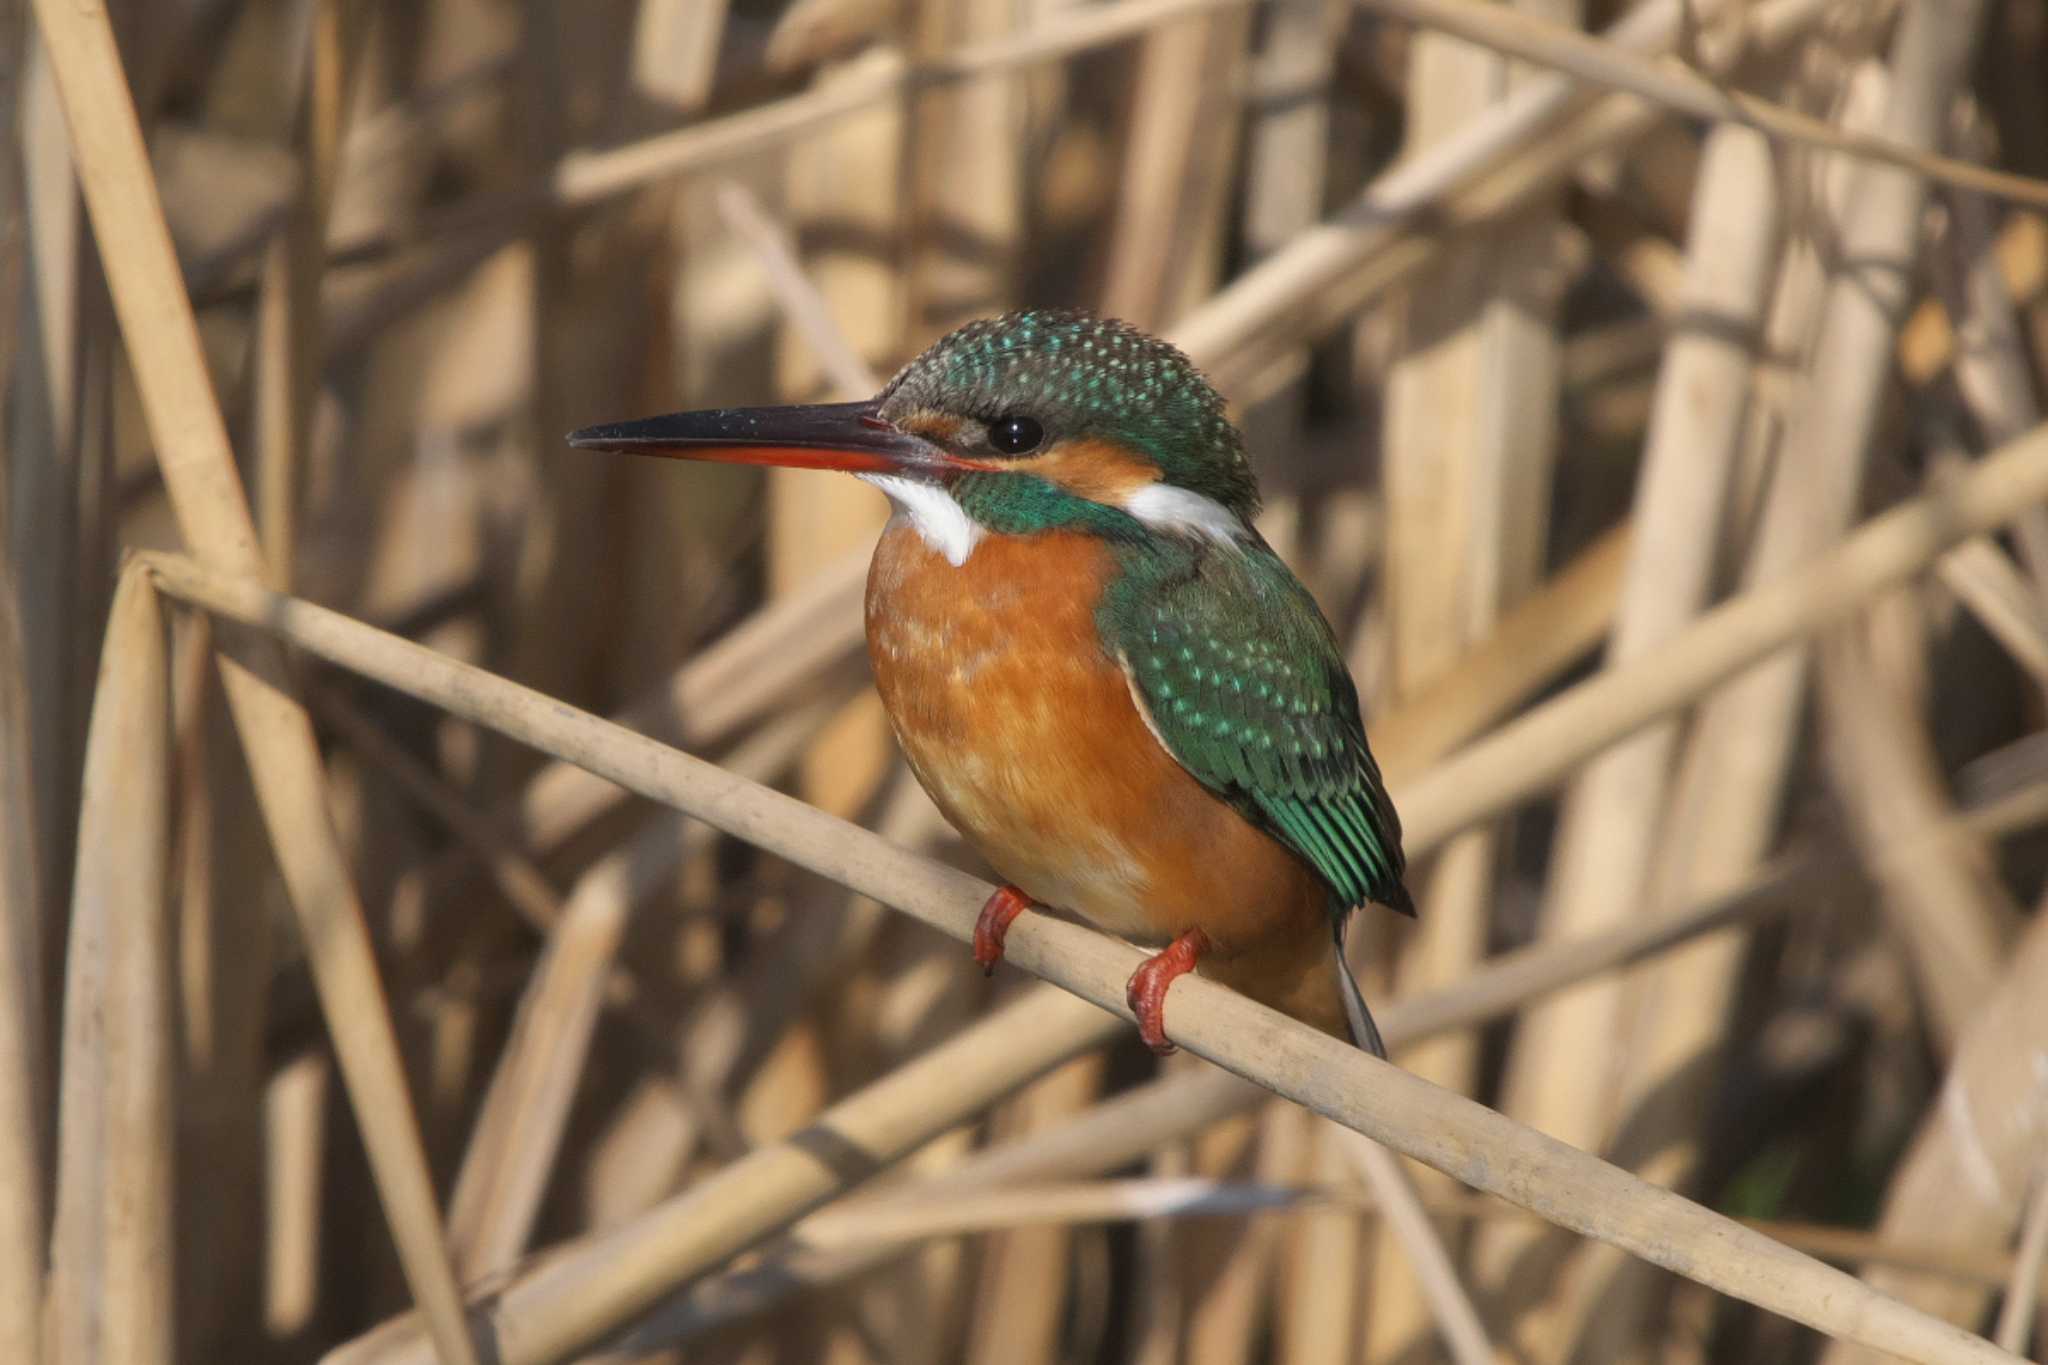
{"points": [[1101, 673]]}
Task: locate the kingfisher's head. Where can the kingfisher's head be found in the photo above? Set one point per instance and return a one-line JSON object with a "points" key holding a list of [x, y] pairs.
{"points": [[1030, 421]]}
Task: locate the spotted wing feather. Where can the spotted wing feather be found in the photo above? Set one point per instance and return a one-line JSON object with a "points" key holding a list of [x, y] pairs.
{"points": [[1241, 679]]}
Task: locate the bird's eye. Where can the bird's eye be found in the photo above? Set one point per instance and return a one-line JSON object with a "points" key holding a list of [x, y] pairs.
{"points": [[1015, 434]]}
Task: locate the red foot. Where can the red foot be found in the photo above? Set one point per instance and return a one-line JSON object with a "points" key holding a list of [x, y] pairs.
{"points": [[989, 930], [1147, 991]]}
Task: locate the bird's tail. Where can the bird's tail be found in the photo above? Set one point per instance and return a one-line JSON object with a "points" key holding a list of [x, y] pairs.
{"points": [[1364, 1031]]}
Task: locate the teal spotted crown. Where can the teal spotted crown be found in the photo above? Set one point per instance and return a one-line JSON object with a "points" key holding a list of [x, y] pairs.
{"points": [[1084, 376]]}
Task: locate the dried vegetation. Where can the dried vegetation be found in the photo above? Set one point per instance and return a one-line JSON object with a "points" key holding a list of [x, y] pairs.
{"points": [[1651, 394]]}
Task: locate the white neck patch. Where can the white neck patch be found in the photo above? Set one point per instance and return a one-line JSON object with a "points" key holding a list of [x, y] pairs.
{"points": [[937, 517], [1167, 507]]}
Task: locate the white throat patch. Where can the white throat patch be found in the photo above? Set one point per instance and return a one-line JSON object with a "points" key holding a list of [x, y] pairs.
{"points": [[1166, 507], [939, 520]]}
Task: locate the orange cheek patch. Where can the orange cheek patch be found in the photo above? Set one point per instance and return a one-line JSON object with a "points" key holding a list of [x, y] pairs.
{"points": [[1098, 470]]}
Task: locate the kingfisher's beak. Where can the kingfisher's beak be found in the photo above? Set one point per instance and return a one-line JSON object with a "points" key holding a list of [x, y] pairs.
{"points": [[852, 437]]}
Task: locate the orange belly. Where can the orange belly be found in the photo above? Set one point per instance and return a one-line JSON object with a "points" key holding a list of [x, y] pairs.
{"points": [[1026, 735]]}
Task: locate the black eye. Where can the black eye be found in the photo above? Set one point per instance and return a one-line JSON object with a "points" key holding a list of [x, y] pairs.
{"points": [[1014, 433]]}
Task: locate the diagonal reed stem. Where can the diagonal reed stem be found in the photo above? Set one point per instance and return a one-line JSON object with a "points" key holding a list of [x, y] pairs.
{"points": [[111, 1250]]}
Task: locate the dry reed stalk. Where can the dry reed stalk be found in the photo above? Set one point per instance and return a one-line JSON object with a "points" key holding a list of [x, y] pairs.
{"points": [[1429, 1264], [568, 1301], [708, 329], [1679, 88], [1305, 1329], [1727, 800], [22, 879], [1652, 266], [803, 306], [846, 192], [2023, 1288], [1966, 1175], [807, 31], [1120, 1130], [1945, 902], [911, 1215], [863, 1229], [550, 588], [112, 1247], [518, 1133], [1161, 1325], [966, 173], [675, 49], [1201, 237], [288, 328], [1994, 590], [1161, 146], [1246, 1274], [294, 1176], [43, 472], [639, 1157], [282, 370], [1286, 164], [1308, 284], [1615, 808], [22, 1085], [1543, 745], [1023, 1283], [1214, 1289], [1683, 1004], [571, 1298], [587, 175], [199, 473], [1535, 750], [1285, 170], [1263, 1265], [1330, 273], [518, 879], [1288, 137], [923, 1313], [50, 211], [845, 302], [1990, 363], [224, 886], [761, 757], [862, 1223], [1832, 429], [757, 667], [1541, 636], [1467, 475], [735, 1022]]}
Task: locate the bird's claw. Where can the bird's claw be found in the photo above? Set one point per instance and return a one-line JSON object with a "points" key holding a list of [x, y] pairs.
{"points": [[1146, 993], [993, 925]]}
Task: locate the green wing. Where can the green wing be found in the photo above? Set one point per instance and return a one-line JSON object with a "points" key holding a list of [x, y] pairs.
{"points": [[1242, 680]]}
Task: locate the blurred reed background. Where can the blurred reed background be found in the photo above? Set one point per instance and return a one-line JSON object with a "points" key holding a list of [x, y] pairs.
{"points": [[1537, 374]]}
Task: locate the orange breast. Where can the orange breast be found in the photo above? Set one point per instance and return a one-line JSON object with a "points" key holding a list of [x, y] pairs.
{"points": [[1028, 738]]}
